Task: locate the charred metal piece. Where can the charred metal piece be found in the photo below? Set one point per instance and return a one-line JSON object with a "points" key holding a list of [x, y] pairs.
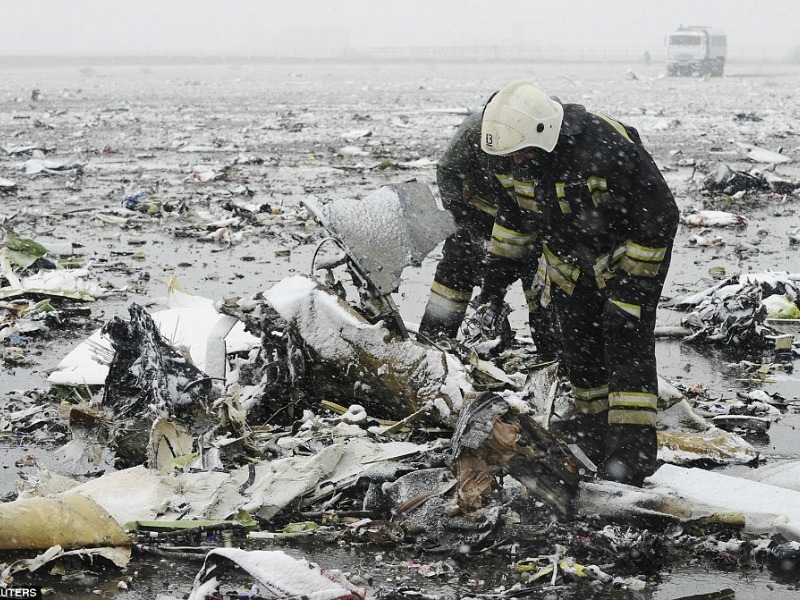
{"points": [[490, 438]]}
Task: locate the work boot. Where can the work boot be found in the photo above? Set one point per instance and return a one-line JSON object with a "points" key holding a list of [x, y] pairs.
{"points": [[632, 454], [588, 432]]}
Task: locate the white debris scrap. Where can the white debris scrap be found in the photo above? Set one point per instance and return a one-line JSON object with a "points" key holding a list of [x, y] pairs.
{"points": [[206, 173], [72, 283], [142, 494], [780, 306], [39, 164], [764, 507], [714, 218], [277, 573], [352, 151], [690, 494], [190, 322], [703, 241], [762, 155]]}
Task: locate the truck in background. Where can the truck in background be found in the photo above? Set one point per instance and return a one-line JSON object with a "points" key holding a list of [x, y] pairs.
{"points": [[696, 50]]}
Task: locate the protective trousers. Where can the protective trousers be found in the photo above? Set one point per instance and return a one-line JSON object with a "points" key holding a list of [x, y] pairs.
{"points": [[457, 274], [611, 362], [545, 330]]}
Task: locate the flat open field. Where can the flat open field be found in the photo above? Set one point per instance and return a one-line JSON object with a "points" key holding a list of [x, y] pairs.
{"points": [[202, 140]]}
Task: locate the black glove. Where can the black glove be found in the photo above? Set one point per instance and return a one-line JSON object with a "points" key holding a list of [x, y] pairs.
{"points": [[492, 317], [487, 330]]}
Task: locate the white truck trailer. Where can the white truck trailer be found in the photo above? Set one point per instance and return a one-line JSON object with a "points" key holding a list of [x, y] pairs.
{"points": [[696, 50]]}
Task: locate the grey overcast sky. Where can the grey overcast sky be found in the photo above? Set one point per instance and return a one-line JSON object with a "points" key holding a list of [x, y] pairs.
{"points": [[264, 27]]}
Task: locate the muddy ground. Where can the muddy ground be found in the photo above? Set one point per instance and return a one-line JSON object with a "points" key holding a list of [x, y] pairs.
{"points": [[201, 139]]}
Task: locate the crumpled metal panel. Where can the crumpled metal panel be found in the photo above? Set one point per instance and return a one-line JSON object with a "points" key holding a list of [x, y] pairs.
{"points": [[397, 225]]}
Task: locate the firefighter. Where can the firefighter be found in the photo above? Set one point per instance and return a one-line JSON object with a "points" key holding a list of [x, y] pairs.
{"points": [[585, 183], [469, 190]]}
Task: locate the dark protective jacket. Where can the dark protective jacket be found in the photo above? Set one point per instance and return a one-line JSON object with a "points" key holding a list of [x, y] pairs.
{"points": [[607, 220], [470, 191]]}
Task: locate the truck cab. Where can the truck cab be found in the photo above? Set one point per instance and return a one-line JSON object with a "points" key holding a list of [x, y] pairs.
{"points": [[696, 50]]}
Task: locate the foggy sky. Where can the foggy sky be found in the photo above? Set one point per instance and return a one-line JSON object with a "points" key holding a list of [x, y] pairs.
{"points": [[267, 27]]}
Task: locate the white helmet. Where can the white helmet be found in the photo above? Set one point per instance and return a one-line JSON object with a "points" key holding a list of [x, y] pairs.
{"points": [[520, 116]]}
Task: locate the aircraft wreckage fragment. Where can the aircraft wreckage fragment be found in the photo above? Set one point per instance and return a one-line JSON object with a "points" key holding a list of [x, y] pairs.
{"points": [[160, 407], [329, 351], [319, 344], [745, 310], [315, 345], [732, 181], [490, 439], [148, 378], [73, 521]]}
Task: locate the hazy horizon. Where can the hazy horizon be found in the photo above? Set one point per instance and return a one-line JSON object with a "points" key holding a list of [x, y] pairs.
{"points": [[312, 27]]}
